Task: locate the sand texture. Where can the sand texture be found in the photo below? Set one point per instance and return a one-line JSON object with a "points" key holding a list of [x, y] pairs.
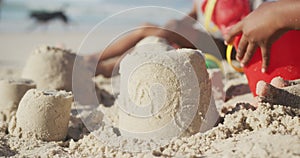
{"points": [[269, 131], [43, 114], [62, 118], [179, 106], [11, 92], [53, 68]]}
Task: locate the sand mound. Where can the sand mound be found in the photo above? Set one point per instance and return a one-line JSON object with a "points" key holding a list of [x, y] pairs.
{"points": [[267, 131], [164, 94], [43, 114], [54, 68], [11, 92], [262, 132]]}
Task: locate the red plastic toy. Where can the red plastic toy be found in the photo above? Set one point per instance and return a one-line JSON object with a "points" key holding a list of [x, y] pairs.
{"points": [[284, 61], [285, 52]]}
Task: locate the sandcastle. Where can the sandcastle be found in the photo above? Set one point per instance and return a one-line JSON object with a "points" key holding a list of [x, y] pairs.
{"points": [[152, 43], [11, 92], [163, 93], [54, 68], [44, 114]]}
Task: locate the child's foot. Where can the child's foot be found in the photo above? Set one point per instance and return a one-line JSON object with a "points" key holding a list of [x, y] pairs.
{"points": [[280, 82], [279, 92]]}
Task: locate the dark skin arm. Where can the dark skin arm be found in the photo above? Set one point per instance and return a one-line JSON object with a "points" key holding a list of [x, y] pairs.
{"points": [[145, 30], [118, 48], [263, 27]]}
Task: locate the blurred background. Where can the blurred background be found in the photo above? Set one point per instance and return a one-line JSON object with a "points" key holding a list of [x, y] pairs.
{"points": [[26, 24], [83, 14]]}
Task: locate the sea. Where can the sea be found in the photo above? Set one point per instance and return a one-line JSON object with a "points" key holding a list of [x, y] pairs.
{"points": [[84, 15]]}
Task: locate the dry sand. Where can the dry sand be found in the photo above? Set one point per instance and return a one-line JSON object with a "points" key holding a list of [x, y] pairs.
{"points": [[181, 99], [16, 46], [42, 113], [269, 131]]}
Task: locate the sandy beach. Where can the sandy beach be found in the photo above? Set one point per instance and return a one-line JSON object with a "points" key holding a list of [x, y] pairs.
{"points": [[16, 46], [160, 102], [268, 131]]}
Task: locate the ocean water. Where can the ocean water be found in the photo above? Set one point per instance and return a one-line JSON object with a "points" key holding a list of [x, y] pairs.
{"points": [[85, 14]]}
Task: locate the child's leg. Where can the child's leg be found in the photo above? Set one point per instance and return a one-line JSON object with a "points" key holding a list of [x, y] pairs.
{"points": [[108, 67], [123, 44], [119, 47]]}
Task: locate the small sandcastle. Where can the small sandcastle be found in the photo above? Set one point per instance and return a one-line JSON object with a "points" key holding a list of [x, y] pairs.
{"points": [[54, 68], [164, 93], [11, 92], [44, 114], [40, 105]]}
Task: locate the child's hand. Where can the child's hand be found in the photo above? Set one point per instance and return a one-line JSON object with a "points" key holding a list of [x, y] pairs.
{"points": [[259, 29]]}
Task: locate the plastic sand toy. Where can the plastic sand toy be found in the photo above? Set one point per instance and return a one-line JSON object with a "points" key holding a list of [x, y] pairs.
{"points": [[285, 52]]}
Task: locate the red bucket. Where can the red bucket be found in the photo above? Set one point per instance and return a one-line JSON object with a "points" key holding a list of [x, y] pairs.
{"points": [[285, 52], [284, 61]]}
